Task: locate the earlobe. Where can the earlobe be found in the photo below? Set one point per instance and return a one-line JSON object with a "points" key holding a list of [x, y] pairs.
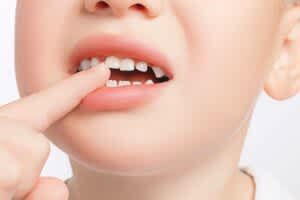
{"points": [[283, 81], [281, 85]]}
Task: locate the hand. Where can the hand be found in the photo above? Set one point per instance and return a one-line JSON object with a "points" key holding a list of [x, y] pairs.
{"points": [[24, 149]]}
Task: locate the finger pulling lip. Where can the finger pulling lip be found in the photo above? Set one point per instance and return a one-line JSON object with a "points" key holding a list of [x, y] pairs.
{"points": [[107, 98]]}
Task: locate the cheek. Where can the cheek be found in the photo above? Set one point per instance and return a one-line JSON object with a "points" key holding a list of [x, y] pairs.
{"points": [[230, 54], [39, 38], [241, 30]]}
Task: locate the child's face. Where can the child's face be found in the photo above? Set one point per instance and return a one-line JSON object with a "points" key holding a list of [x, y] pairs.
{"points": [[219, 52]]}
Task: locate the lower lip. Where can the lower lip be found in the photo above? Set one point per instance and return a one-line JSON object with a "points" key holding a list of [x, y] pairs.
{"points": [[124, 97]]}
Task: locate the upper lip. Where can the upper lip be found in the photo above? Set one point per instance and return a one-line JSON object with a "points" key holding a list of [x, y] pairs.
{"points": [[114, 45]]}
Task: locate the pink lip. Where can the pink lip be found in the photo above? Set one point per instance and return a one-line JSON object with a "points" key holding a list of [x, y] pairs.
{"points": [[120, 97]]}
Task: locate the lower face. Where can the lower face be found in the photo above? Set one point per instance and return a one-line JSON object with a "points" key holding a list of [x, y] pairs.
{"points": [[219, 54]]}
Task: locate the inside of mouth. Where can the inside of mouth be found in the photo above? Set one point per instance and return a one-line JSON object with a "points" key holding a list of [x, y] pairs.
{"points": [[133, 76]]}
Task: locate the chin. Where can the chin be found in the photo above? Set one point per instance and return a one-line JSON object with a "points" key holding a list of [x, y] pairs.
{"points": [[120, 143]]}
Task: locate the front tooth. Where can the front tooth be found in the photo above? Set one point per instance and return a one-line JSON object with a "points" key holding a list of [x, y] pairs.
{"points": [[85, 64], [111, 83], [127, 65], [149, 82], [95, 62], [113, 62], [136, 83], [124, 83], [141, 66], [158, 72]]}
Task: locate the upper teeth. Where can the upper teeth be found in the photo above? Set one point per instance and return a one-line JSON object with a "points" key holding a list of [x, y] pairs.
{"points": [[85, 64], [94, 62], [125, 64], [113, 62], [158, 72], [142, 66]]}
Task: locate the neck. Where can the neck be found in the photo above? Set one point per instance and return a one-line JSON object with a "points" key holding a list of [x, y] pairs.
{"points": [[218, 179]]}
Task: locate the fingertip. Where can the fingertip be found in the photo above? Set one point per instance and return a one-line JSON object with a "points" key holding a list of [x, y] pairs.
{"points": [[103, 69], [98, 74], [49, 188]]}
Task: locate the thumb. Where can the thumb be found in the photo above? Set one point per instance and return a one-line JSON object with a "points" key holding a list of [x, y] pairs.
{"points": [[48, 188]]}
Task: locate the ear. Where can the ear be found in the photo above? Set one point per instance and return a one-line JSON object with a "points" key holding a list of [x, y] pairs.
{"points": [[284, 79]]}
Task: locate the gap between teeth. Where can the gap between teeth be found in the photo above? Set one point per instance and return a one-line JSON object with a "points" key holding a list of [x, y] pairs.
{"points": [[125, 64], [115, 83]]}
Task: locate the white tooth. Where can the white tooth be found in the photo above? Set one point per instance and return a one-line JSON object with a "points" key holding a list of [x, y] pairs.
{"points": [[85, 64], [158, 72], [111, 83], [136, 83], [149, 82], [141, 66], [113, 62], [124, 83], [95, 62], [127, 65]]}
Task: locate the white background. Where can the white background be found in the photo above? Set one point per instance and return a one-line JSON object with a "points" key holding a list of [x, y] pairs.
{"points": [[273, 141]]}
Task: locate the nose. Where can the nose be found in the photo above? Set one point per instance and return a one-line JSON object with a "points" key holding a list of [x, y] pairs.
{"points": [[150, 8]]}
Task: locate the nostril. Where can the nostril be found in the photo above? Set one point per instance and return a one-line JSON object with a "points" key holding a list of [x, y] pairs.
{"points": [[102, 4], [138, 6]]}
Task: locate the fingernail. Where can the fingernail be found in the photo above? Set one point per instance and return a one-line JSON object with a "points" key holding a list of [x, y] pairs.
{"points": [[103, 69]]}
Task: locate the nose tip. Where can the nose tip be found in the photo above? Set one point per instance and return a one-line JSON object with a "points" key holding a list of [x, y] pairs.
{"points": [[150, 8]]}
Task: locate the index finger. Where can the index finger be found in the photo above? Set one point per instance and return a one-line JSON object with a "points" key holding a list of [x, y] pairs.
{"points": [[41, 109]]}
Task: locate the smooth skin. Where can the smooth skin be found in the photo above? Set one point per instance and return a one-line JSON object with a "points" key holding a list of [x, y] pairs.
{"points": [[23, 145], [222, 53]]}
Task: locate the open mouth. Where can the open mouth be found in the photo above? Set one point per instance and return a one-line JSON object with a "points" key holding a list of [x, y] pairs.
{"points": [[138, 71], [127, 71]]}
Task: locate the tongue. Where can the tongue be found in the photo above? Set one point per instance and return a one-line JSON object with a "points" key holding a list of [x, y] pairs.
{"points": [[131, 76]]}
